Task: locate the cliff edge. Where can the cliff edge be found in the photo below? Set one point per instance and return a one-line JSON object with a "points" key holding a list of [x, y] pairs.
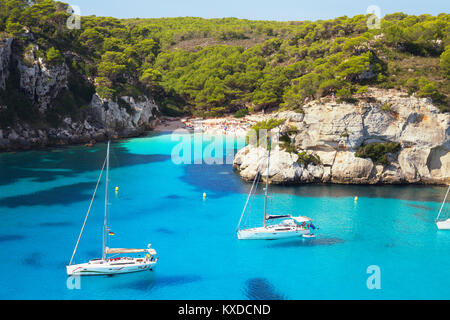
{"points": [[388, 138], [57, 106]]}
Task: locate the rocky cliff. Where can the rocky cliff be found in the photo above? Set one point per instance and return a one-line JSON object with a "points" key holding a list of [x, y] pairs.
{"points": [[107, 120], [41, 83], [5, 57], [333, 133]]}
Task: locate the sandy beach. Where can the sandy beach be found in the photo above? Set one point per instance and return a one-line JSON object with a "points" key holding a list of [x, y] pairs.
{"points": [[224, 125], [168, 124]]}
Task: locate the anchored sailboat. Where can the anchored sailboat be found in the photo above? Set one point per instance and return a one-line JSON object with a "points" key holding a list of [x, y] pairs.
{"points": [[289, 226], [111, 265], [443, 224]]}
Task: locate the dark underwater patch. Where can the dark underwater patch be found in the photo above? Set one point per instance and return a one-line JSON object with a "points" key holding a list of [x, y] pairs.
{"points": [[33, 260], [165, 231], [420, 207], [307, 243], [55, 224], [404, 192], [149, 284], [210, 179], [93, 254], [64, 195], [44, 166], [12, 237], [261, 289], [178, 280], [174, 197], [422, 213], [423, 217]]}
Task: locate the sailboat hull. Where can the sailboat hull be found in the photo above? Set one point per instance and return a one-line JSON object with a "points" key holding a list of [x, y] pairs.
{"points": [[291, 228], [443, 225], [268, 233], [110, 267]]}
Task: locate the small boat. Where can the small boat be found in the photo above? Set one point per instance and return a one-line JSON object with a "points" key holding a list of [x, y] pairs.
{"points": [[288, 228], [113, 264], [309, 236], [443, 224], [275, 226]]}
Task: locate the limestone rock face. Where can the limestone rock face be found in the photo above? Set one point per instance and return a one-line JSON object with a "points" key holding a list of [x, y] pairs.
{"points": [[5, 57], [334, 132], [349, 169], [413, 163], [326, 125], [438, 163], [139, 116], [42, 83], [283, 165], [108, 119]]}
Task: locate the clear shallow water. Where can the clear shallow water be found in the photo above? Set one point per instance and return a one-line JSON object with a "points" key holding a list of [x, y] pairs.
{"points": [[44, 196]]}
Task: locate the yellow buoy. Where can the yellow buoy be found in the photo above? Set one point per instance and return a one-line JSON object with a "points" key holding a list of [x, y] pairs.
{"points": [[117, 189], [204, 195], [356, 199]]}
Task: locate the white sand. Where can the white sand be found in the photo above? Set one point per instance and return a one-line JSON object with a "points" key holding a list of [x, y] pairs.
{"points": [[225, 125], [169, 124]]}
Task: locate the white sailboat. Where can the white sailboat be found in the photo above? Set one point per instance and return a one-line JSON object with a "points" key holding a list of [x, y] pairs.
{"points": [[443, 224], [288, 227], [113, 264]]}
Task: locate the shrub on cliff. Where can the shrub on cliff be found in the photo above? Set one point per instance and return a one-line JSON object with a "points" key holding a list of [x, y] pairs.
{"points": [[305, 158], [353, 68], [378, 152], [424, 88], [54, 56], [241, 113], [263, 127], [445, 62], [14, 28]]}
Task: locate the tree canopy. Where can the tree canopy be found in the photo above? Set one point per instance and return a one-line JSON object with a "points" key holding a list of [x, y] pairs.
{"points": [[214, 66]]}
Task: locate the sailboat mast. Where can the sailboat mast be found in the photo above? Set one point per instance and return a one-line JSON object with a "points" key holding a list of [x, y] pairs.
{"points": [[267, 181], [106, 205], [443, 203]]}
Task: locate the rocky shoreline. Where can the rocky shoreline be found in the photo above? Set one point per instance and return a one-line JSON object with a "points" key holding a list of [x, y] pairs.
{"points": [[328, 132], [40, 83], [58, 137], [106, 120], [334, 132]]}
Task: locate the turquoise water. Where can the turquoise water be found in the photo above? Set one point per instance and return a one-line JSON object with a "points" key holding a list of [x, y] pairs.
{"points": [[44, 196]]}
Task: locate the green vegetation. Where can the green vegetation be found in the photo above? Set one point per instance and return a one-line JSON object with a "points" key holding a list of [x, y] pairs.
{"points": [[241, 113], [378, 151], [387, 107], [54, 56], [305, 158], [445, 62], [268, 124], [263, 127], [14, 104], [427, 89], [211, 67]]}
